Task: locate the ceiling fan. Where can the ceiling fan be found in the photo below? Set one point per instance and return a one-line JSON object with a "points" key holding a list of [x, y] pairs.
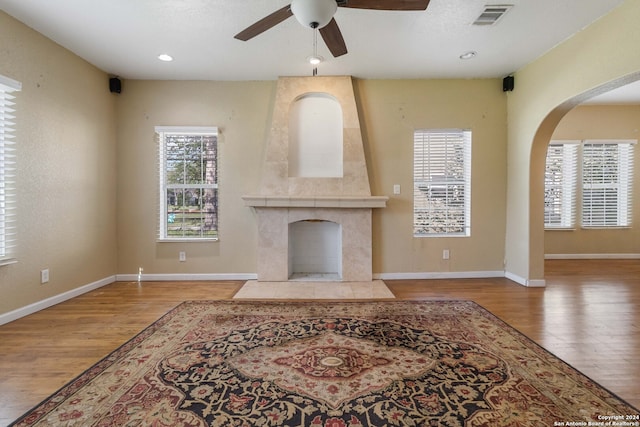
{"points": [[318, 14]]}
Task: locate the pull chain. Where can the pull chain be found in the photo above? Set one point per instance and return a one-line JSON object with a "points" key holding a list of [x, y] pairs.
{"points": [[315, 41], [315, 47]]}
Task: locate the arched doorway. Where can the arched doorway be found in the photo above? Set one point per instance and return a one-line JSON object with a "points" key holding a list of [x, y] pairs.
{"points": [[540, 144]]}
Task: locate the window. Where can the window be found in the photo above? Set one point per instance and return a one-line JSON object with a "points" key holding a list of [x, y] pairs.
{"points": [[7, 167], [605, 191], [441, 182], [606, 183], [560, 184], [188, 183]]}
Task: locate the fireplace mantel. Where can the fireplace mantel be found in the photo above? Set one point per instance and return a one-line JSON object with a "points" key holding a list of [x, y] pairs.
{"points": [[341, 202]]}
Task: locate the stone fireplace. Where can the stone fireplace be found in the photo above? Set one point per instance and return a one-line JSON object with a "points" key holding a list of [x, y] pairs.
{"points": [[315, 181]]}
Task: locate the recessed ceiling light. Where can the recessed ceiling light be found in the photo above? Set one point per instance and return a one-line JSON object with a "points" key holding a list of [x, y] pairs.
{"points": [[468, 55], [164, 57]]}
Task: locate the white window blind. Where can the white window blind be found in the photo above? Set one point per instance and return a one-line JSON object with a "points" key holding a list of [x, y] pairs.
{"points": [[607, 174], [7, 170], [442, 182], [188, 172], [560, 178]]}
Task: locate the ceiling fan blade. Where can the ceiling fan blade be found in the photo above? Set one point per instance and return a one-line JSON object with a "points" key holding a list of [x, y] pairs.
{"points": [[333, 38], [385, 4], [265, 23]]}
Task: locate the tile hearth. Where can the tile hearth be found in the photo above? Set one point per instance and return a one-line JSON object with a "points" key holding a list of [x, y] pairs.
{"points": [[308, 289]]}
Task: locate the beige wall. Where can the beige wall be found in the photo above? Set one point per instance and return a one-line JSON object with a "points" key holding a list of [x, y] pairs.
{"points": [[242, 112], [390, 110], [66, 169], [600, 122], [593, 61]]}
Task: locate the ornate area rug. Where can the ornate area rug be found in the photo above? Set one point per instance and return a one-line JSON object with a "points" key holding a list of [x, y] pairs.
{"points": [[230, 363]]}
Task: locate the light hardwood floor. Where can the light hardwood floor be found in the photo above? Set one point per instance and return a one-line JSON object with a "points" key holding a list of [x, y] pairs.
{"points": [[588, 315]]}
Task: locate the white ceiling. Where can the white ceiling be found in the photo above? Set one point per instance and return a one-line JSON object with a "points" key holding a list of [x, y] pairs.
{"points": [[124, 37]]}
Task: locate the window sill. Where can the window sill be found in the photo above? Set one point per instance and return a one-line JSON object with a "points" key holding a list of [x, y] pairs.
{"points": [[187, 240], [604, 227], [440, 235], [8, 261], [560, 229]]}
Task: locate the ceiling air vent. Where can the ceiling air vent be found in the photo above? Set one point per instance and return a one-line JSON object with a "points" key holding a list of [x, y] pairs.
{"points": [[492, 14]]}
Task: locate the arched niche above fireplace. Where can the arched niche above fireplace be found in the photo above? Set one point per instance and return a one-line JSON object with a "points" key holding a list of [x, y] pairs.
{"points": [[316, 136]]}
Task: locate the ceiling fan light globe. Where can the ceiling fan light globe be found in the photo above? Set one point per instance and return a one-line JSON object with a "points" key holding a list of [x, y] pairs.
{"points": [[314, 13]]}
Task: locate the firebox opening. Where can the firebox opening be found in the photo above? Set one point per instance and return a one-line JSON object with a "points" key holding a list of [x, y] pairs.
{"points": [[315, 250]]}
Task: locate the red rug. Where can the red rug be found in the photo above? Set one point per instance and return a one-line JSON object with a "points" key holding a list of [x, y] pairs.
{"points": [[229, 363]]}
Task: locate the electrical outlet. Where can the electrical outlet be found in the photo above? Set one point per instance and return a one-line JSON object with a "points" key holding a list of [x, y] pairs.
{"points": [[44, 276], [445, 254], [183, 256], [396, 188]]}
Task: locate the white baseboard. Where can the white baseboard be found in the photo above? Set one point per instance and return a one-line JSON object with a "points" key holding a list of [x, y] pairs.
{"points": [[41, 305], [592, 256], [538, 283], [530, 283], [439, 275], [56, 299], [184, 277]]}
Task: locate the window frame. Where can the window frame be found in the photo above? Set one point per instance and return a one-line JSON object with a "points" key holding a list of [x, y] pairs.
{"points": [[164, 186], [624, 208], [623, 185], [565, 183], [427, 164], [8, 224]]}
